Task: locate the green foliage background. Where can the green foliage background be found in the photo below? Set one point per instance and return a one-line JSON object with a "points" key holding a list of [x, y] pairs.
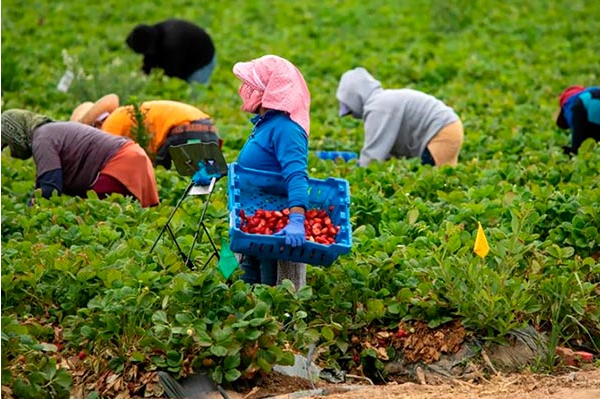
{"points": [[83, 265]]}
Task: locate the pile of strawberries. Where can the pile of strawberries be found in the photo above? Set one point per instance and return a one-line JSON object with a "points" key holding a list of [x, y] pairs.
{"points": [[317, 223]]}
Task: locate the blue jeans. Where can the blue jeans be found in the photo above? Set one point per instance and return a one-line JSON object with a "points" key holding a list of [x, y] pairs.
{"points": [[427, 158], [202, 75], [259, 271]]}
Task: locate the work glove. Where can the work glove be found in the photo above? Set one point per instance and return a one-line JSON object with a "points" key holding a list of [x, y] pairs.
{"points": [[294, 232], [202, 177]]}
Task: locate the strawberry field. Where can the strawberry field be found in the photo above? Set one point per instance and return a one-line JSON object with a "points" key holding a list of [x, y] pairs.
{"points": [[87, 309]]}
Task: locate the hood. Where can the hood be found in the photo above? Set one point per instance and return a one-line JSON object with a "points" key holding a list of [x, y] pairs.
{"points": [[355, 88]]}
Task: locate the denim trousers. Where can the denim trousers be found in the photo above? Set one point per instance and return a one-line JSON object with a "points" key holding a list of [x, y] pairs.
{"points": [[259, 271], [427, 158]]}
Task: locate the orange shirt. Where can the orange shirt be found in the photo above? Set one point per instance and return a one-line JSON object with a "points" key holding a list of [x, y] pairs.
{"points": [[160, 117], [132, 167]]}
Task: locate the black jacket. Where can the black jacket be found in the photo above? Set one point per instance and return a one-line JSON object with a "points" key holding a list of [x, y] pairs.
{"points": [[178, 47]]}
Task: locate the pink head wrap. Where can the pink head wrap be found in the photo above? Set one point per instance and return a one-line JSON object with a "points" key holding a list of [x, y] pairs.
{"points": [[277, 84]]}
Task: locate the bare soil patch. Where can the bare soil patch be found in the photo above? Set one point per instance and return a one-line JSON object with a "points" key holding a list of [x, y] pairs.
{"points": [[579, 384]]}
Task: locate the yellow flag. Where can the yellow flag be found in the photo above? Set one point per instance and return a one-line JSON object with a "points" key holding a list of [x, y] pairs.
{"points": [[481, 245]]}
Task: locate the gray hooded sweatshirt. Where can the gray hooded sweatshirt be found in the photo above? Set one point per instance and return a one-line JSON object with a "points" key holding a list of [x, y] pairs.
{"points": [[398, 123]]}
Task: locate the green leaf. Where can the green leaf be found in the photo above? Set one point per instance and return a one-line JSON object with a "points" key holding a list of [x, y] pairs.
{"points": [[165, 302], [88, 332], [222, 335], [434, 323], [218, 350], [46, 347], [253, 335], [287, 358], [305, 293], [160, 317], [327, 333], [137, 357], [375, 308], [232, 375], [567, 252], [63, 379], [301, 314], [342, 344], [48, 370], [312, 335], [159, 361], [263, 364], [260, 311], [394, 308], [258, 322], [240, 324], [178, 330], [183, 318], [203, 338], [231, 362], [217, 375], [413, 215], [174, 358]]}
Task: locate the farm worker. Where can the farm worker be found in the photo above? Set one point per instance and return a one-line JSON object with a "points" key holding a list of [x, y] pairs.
{"points": [[167, 123], [580, 112], [400, 122], [180, 48], [72, 158], [274, 90]]}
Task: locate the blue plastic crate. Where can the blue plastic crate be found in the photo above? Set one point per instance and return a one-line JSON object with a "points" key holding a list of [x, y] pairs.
{"points": [[250, 190], [333, 155]]}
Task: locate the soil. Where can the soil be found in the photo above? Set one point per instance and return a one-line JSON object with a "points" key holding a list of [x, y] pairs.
{"points": [[576, 384]]}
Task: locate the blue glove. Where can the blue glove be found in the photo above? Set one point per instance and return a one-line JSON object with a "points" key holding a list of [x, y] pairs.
{"points": [[202, 177], [294, 232]]}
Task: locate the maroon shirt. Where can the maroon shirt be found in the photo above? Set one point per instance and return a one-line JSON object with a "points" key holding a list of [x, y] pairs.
{"points": [[81, 151]]}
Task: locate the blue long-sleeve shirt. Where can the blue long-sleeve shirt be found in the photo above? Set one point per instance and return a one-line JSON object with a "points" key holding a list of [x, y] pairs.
{"points": [[585, 95], [278, 144]]}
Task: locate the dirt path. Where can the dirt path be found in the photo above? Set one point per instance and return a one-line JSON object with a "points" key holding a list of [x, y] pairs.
{"points": [[575, 385]]}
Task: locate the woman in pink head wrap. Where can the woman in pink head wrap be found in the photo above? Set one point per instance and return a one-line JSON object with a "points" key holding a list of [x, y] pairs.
{"points": [[275, 90]]}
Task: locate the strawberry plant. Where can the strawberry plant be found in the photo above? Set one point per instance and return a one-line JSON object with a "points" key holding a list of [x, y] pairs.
{"points": [[28, 365]]}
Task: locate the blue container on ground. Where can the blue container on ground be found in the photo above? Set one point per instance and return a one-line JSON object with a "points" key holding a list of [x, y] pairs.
{"points": [[251, 189], [333, 155]]}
